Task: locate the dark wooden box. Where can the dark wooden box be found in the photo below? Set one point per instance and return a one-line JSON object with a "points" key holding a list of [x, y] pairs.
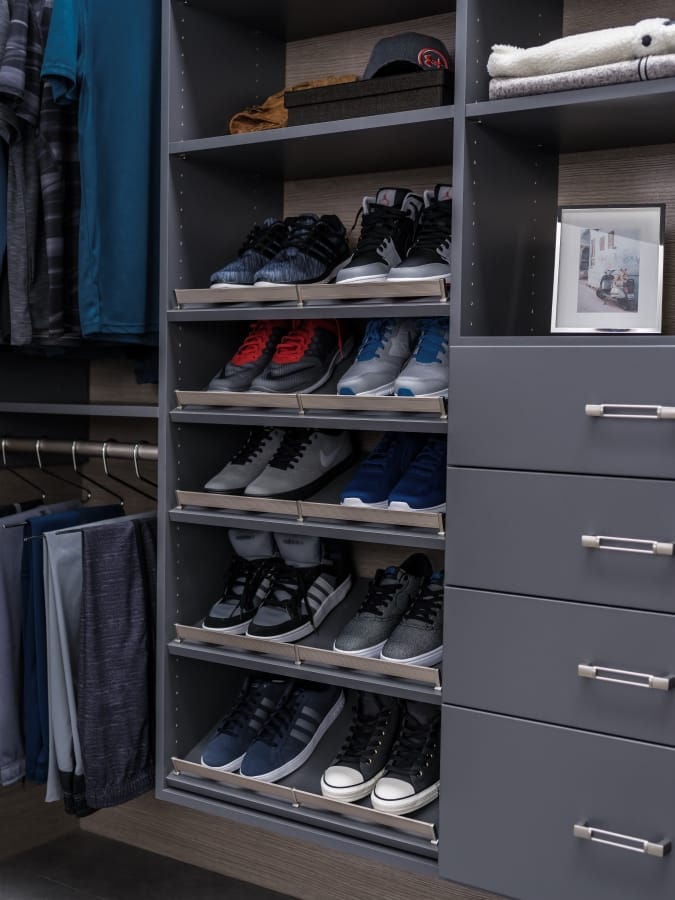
{"points": [[391, 93]]}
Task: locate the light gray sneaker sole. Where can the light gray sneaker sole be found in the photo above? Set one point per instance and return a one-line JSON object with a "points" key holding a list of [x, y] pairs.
{"points": [[373, 651], [228, 767], [424, 659], [357, 503], [384, 390], [443, 393], [400, 506]]}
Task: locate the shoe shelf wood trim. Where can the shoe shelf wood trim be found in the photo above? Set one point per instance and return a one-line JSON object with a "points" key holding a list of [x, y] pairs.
{"points": [[304, 402], [304, 509], [299, 654], [303, 294], [306, 800]]}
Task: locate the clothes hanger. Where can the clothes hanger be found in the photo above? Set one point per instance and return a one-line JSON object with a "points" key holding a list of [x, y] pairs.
{"points": [[90, 480], [61, 478], [19, 475], [136, 468], [126, 484]]}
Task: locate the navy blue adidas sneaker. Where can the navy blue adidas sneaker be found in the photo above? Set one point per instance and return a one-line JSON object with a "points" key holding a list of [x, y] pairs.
{"points": [[315, 250], [381, 471], [262, 243], [422, 488]]}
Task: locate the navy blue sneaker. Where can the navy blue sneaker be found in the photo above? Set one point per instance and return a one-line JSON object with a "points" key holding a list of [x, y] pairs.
{"points": [[381, 471], [314, 252], [292, 734], [262, 243], [258, 700], [422, 488]]}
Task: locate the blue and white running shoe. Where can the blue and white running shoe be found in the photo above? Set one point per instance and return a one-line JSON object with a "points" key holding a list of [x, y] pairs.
{"points": [[426, 373], [422, 488], [381, 471], [385, 347], [292, 734]]}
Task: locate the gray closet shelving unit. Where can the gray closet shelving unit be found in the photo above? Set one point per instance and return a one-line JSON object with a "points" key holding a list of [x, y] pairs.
{"points": [[530, 748]]}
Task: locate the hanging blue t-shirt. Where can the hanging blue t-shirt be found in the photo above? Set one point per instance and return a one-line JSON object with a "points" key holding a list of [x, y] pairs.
{"points": [[106, 55]]}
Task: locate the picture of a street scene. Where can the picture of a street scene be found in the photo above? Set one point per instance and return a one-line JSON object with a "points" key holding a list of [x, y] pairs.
{"points": [[609, 272]]}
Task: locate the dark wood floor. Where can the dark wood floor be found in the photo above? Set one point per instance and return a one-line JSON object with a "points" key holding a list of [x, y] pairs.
{"points": [[85, 867]]}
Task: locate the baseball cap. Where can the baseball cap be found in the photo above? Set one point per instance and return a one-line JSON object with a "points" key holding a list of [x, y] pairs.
{"points": [[407, 52]]}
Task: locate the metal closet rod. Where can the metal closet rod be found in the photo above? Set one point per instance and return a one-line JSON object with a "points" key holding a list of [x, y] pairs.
{"points": [[113, 449]]}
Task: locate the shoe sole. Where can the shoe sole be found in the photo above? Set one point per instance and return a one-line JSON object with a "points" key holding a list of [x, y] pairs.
{"points": [[385, 390], [424, 659], [443, 393], [338, 356], [222, 284], [303, 756], [236, 492], [363, 279], [302, 493], [447, 278], [400, 506], [229, 767], [351, 793], [324, 280], [406, 804], [228, 629], [357, 503], [373, 651], [329, 604]]}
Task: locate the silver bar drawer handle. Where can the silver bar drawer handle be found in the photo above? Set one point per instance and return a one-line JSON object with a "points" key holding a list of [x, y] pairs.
{"points": [[631, 545], [623, 676], [622, 841], [629, 411]]}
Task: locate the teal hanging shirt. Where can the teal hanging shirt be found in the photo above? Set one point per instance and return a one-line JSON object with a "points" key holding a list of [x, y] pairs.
{"points": [[105, 55]]}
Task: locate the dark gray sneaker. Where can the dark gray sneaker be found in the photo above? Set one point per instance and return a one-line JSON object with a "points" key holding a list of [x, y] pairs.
{"points": [[252, 357], [247, 462], [389, 595], [262, 243], [418, 638], [360, 763], [305, 462]]}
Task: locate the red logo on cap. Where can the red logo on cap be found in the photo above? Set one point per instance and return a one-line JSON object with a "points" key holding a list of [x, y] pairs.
{"points": [[432, 59]]}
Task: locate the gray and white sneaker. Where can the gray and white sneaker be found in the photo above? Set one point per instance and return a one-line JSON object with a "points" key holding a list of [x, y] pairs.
{"points": [[430, 256], [248, 580], [418, 638], [304, 463], [313, 579], [247, 462], [387, 228], [386, 345], [253, 356], [389, 595], [426, 373]]}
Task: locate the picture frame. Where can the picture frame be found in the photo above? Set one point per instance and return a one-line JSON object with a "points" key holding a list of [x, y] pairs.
{"points": [[608, 275]]}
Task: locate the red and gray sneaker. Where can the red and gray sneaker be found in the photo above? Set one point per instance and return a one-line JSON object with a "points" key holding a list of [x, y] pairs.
{"points": [[305, 358], [252, 357]]}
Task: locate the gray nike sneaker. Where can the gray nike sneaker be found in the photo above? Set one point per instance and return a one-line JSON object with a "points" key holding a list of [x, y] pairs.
{"points": [[248, 461], [389, 596], [305, 462], [426, 373], [385, 347]]}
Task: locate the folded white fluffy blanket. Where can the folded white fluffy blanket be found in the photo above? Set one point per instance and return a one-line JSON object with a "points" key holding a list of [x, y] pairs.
{"points": [[580, 51]]}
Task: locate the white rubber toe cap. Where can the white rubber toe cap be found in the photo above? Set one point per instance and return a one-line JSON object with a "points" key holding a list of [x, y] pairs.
{"points": [[393, 789], [342, 777]]}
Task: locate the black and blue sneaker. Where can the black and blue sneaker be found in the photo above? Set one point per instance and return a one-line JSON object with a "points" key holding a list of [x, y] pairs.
{"points": [[314, 251], [258, 700], [262, 243], [292, 734], [422, 488], [381, 471]]}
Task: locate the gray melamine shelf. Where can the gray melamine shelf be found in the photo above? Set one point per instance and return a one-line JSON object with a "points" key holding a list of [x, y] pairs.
{"points": [[82, 409], [413, 138], [617, 115]]}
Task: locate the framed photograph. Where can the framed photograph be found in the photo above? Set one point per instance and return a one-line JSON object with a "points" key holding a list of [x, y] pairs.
{"points": [[608, 269]]}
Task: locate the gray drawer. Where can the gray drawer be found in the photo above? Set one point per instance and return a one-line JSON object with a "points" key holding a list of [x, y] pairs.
{"points": [[521, 532], [524, 408], [512, 792], [520, 656]]}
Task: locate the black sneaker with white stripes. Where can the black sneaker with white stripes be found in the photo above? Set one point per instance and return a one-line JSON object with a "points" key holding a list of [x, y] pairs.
{"points": [[315, 576]]}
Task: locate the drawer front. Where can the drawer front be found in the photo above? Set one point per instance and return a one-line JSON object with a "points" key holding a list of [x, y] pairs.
{"points": [[524, 408], [521, 532], [521, 656], [512, 792]]}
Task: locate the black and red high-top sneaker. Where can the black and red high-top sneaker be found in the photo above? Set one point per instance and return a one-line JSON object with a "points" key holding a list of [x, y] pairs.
{"points": [[253, 356], [305, 358]]}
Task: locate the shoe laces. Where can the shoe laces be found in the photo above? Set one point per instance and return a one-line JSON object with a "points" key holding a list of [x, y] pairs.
{"points": [[278, 726], [242, 579], [379, 595], [434, 226], [428, 603], [316, 238], [377, 224], [379, 456], [266, 239], [430, 457], [415, 747], [255, 342], [293, 346], [433, 341], [255, 442], [295, 442], [244, 709], [365, 734], [291, 584], [376, 335]]}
